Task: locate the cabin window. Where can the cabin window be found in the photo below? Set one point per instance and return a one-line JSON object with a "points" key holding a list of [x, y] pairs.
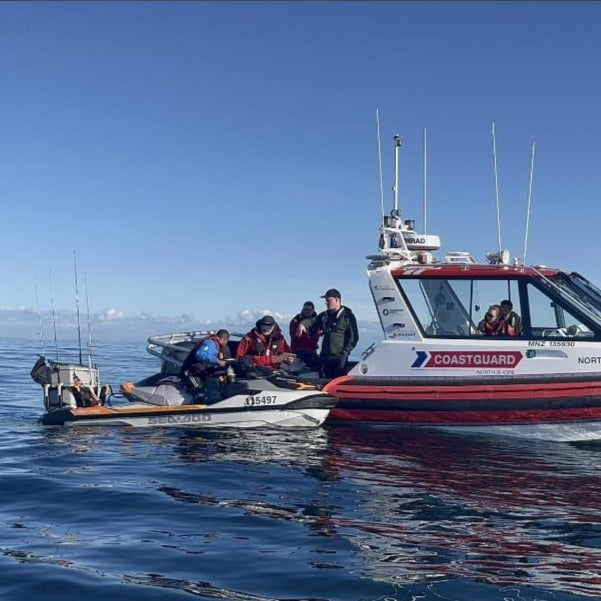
{"points": [[439, 305], [549, 319], [492, 292], [455, 306]]}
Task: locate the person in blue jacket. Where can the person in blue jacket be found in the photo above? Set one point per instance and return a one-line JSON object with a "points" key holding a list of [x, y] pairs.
{"points": [[204, 362], [212, 351]]}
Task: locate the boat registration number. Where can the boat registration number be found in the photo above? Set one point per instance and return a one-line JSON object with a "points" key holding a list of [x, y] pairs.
{"points": [[266, 399]]}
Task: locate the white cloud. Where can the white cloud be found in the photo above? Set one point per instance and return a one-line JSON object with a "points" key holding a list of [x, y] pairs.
{"points": [[113, 325]]}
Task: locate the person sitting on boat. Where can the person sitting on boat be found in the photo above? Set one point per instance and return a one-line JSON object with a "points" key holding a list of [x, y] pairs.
{"points": [[84, 395], [338, 326], [305, 345], [264, 347], [513, 322], [205, 362], [492, 324]]}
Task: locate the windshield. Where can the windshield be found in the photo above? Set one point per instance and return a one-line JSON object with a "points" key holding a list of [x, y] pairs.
{"points": [[582, 292], [588, 288]]}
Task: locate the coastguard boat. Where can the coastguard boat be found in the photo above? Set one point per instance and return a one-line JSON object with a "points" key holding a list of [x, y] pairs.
{"points": [[73, 396], [435, 368]]}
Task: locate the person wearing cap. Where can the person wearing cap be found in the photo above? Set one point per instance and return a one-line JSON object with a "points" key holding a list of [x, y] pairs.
{"points": [[265, 345], [305, 344], [338, 326]]}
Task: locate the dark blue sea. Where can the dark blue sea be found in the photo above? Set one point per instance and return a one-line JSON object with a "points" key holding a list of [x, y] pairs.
{"points": [[340, 514]]}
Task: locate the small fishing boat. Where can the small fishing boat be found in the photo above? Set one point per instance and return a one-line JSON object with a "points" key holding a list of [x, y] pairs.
{"points": [[436, 368], [73, 396]]}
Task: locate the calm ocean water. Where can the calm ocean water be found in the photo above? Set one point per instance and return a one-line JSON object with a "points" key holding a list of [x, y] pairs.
{"points": [[341, 514]]}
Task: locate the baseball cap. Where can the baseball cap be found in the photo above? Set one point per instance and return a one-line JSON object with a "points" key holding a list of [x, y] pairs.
{"points": [[266, 322], [332, 292]]}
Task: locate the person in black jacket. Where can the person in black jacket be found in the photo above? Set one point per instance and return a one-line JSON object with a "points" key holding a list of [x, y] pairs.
{"points": [[338, 326]]}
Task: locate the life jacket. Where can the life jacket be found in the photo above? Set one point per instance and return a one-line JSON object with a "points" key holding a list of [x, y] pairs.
{"points": [[191, 358], [499, 328], [259, 345]]}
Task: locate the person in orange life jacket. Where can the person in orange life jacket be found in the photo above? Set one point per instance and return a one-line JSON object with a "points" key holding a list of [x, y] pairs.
{"points": [[264, 345], [513, 322], [305, 344], [492, 324], [205, 361], [338, 326]]}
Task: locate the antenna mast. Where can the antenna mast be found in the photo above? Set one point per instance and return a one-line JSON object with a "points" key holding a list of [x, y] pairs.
{"points": [[395, 188], [380, 164], [529, 201], [494, 154], [77, 305], [425, 181]]}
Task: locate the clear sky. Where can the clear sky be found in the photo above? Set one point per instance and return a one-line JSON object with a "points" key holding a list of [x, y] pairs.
{"points": [[215, 157]]}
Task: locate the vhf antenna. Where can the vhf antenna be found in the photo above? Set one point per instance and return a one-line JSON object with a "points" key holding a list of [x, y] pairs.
{"points": [[380, 164], [529, 201], [494, 156], [395, 187]]}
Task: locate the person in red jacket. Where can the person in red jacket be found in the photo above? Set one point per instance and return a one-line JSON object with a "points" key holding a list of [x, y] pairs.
{"points": [[264, 345], [304, 345]]}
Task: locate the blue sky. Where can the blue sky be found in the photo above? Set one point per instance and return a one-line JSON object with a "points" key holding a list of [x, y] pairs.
{"points": [[209, 159]]}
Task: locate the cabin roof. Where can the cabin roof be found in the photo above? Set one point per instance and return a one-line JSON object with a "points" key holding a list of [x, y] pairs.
{"points": [[444, 270]]}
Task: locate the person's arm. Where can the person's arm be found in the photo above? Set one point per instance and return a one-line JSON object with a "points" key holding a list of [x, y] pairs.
{"points": [[310, 325], [265, 360], [242, 348]]}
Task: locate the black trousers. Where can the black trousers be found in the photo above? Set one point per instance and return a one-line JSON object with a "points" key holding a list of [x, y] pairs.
{"points": [[333, 366]]}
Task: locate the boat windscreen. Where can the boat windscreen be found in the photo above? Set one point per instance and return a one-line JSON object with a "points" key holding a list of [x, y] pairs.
{"points": [[580, 292]]}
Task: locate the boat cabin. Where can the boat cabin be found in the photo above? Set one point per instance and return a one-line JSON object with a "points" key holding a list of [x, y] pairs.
{"points": [[450, 300]]}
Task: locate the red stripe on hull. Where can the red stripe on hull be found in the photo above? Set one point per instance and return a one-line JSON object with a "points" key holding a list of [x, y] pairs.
{"points": [[468, 417], [342, 389]]}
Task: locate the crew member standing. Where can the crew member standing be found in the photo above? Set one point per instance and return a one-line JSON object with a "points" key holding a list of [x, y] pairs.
{"points": [[338, 326], [305, 344]]}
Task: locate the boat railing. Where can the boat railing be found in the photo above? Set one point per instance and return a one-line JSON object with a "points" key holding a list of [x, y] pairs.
{"points": [[169, 347]]}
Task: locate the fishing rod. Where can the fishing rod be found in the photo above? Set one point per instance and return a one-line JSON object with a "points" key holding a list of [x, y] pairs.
{"points": [[85, 280], [37, 303], [77, 305], [53, 314]]}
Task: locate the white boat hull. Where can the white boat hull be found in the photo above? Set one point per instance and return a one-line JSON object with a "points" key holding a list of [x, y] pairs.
{"points": [[205, 418]]}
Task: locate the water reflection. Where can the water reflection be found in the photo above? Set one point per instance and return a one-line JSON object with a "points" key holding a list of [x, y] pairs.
{"points": [[435, 506], [301, 448], [408, 506]]}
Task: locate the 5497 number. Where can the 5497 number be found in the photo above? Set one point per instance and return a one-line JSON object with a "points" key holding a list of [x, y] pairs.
{"points": [[266, 399]]}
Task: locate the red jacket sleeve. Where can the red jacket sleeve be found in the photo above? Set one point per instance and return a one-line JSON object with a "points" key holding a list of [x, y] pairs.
{"points": [[242, 350]]}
